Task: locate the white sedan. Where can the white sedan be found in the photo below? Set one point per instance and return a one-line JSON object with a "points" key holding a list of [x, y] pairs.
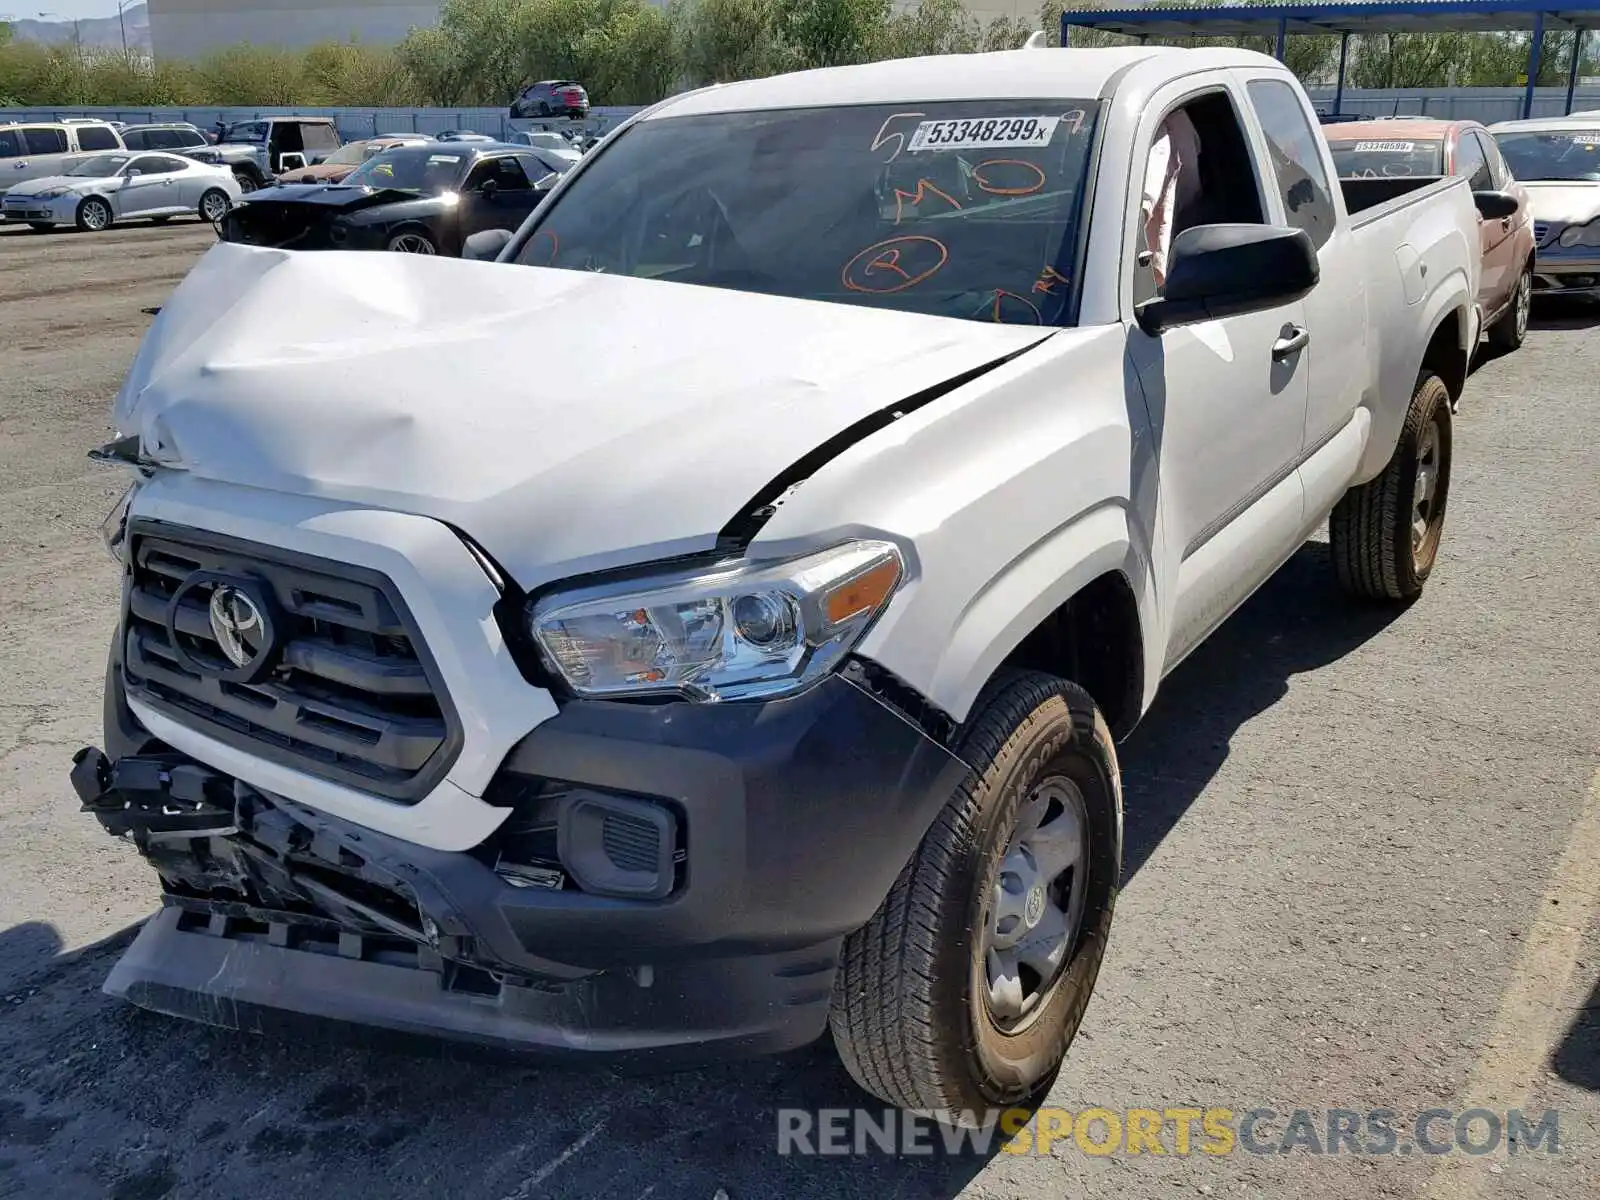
{"points": [[120, 186]]}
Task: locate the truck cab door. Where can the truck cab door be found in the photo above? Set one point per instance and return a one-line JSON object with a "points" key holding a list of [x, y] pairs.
{"points": [[1226, 398], [1304, 194]]}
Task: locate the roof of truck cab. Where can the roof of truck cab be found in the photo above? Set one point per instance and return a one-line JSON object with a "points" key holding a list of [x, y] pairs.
{"points": [[1001, 75]]}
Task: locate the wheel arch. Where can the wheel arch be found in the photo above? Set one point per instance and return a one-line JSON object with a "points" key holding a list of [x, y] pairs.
{"points": [[1044, 612]]}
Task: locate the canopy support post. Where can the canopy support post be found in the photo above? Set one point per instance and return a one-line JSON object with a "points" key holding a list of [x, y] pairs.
{"points": [[1572, 67], [1283, 34], [1338, 90], [1535, 51], [1066, 32]]}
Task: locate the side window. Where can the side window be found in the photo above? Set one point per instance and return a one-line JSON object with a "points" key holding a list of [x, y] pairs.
{"points": [[1499, 173], [1296, 159], [136, 139], [319, 137], [510, 175], [535, 167], [1472, 163], [1199, 171], [161, 139], [189, 137], [97, 137], [155, 164], [45, 141], [11, 144]]}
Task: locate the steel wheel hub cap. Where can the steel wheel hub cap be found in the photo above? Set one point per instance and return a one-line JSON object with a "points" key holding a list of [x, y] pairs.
{"points": [[1427, 484], [1036, 907]]}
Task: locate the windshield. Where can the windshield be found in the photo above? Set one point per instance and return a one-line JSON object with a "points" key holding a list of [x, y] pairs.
{"points": [[1572, 155], [961, 209], [410, 169], [245, 131], [101, 166], [1373, 158]]}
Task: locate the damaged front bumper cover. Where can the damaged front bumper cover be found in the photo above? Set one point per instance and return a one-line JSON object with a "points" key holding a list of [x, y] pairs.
{"points": [[274, 913], [796, 816]]}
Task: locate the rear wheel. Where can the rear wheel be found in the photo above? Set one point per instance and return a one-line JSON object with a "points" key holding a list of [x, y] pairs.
{"points": [[1385, 533], [411, 241], [214, 205], [964, 990], [94, 215], [247, 181], [1511, 329]]}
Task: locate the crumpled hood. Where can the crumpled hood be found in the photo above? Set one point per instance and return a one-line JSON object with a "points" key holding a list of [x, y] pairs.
{"points": [[567, 420], [1564, 203]]}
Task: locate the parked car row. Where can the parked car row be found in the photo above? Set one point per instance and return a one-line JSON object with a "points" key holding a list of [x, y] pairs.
{"points": [[99, 190], [1537, 184]]}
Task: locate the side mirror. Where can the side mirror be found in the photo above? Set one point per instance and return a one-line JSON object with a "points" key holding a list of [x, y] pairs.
{"points": [[288, 162], [489, 187], [1223, 270], [1495, 206], [486, 244]]}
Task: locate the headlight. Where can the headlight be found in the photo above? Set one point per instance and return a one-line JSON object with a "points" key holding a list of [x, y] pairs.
{"points": [[114, 529], [751, 629], [54, 193], [1582, 235]]}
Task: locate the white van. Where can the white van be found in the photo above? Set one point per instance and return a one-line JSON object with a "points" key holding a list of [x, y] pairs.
{"points": [[42, 148]]}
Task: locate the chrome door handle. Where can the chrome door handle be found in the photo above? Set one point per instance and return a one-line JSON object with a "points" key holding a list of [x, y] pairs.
{"points": [[1291, 338]]}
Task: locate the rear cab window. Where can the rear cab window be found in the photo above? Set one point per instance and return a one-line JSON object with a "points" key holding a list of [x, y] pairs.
{"points": [[1296, 159], [318, 137], [11, 144], [967, 209]]}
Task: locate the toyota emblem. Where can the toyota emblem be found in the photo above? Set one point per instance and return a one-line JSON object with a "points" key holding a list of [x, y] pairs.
{"points": [[237, 625]]}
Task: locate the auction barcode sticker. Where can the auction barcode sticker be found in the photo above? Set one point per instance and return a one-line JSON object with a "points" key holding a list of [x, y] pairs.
{"points": [[1387, 147], [983, 133]]}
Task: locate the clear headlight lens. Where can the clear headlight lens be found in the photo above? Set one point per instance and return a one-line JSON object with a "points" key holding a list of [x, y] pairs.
{"points": [[1582, 235], [54, 193], [114, 529], [751, 629]]}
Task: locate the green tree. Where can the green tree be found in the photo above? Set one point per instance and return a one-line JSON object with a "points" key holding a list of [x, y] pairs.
{"points": [[831, 33]]}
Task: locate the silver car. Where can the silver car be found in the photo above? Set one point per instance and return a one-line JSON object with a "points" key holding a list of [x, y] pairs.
{"points": [[119, 186]]}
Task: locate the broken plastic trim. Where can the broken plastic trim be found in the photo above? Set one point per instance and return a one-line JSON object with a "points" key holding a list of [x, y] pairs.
{"points": [[742, 529]]}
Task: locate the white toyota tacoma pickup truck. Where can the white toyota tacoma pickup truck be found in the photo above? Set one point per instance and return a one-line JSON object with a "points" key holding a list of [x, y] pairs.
{"points": [[752, 667]]}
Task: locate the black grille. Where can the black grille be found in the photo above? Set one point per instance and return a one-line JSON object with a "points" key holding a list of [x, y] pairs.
{"points": [[354, 697], [631, 845]]}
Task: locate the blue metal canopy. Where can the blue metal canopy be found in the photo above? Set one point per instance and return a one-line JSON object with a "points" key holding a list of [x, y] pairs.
{"points": [[1342, 18]]}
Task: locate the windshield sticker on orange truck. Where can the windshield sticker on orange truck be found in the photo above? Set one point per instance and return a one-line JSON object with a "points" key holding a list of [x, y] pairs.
{"points": [[983, 133], [1386, 147]]}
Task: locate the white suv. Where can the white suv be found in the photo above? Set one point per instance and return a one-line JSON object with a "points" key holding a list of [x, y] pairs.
{"points": [[44, 148]]}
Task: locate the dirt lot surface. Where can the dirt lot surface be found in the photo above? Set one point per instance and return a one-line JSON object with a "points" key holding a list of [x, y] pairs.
{"points": [[1363, 871]]}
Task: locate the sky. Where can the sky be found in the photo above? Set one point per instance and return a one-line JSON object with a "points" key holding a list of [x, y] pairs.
{"points": [[58, 10]]}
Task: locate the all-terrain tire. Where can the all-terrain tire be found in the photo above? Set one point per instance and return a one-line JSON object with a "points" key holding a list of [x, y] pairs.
{"points": [[910, 1013], [1377, 553]]}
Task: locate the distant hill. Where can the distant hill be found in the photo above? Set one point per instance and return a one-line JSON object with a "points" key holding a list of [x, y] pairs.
{"points": [[103, 33]]}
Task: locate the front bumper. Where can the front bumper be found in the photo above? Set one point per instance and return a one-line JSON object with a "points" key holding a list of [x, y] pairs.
{"points": [[786, 821], [1567, 270], [32, 209]]}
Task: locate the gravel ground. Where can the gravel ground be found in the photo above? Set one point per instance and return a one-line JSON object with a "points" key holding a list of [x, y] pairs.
{"points": [[1364, 860]]}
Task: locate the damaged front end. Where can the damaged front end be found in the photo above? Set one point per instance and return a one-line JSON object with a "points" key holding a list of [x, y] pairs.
{"points": [[244, 867]]}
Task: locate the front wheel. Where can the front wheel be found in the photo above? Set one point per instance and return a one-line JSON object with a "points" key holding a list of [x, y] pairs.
{"points": [[247, 182], [214, 206], [1385, 533], [411, 241], [1511, 329], [962, 993], [94, 215]]}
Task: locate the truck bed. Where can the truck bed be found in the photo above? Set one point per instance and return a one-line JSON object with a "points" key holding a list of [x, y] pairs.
{"points": [[1362, 196]]}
